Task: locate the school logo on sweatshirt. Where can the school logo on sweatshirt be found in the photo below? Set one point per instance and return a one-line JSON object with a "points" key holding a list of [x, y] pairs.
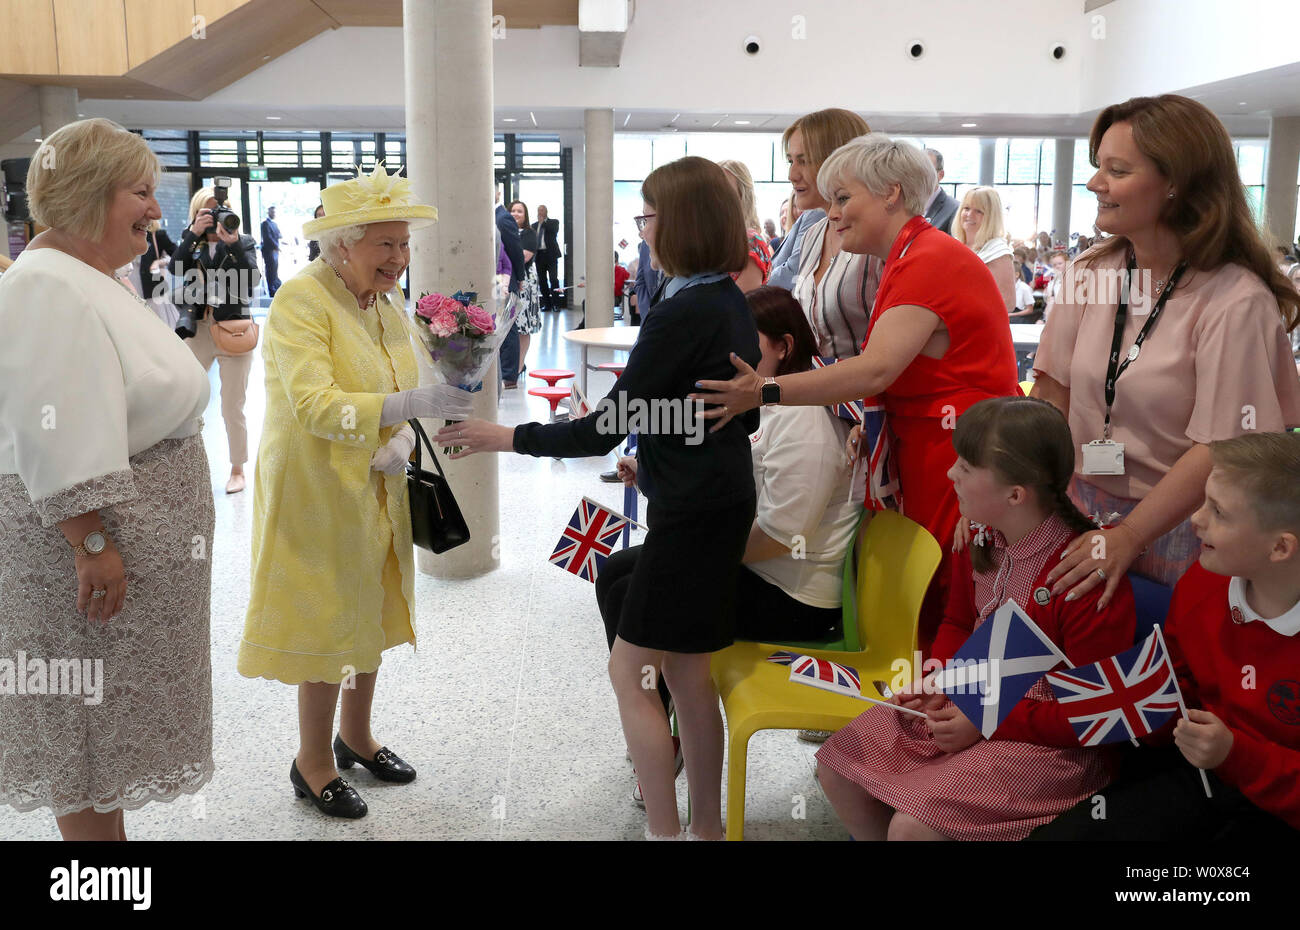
{"points": [[1284, 701]]}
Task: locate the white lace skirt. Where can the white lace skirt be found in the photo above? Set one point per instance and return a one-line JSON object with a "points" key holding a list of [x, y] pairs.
{"points": [[147, 734]]}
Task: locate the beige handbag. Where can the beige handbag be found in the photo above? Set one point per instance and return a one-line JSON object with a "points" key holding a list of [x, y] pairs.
{"points": [[234, 337]]}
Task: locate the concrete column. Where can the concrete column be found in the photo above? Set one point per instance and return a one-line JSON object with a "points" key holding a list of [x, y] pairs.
{"points": [[58, 107], [1062, 191], [448, 49], [1280, 170], [599, 234], [988, 152]]}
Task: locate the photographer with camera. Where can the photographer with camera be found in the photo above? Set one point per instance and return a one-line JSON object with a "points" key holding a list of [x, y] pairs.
{"points": [[216, 271]]}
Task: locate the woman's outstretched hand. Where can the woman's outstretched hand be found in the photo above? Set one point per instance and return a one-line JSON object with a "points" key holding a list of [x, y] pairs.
{"points": [[476, 436], [1098, 557], [733, 397]]}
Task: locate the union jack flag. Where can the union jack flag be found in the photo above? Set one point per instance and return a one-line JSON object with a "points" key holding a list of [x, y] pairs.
{"points": [[1128, 695], [578, 406], [782, 658], [829, 676], [850, 410], [588, 539]]}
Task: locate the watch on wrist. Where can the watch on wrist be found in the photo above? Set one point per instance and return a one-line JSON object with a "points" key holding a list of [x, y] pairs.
{"points": [[770, 392], [94, 544]]}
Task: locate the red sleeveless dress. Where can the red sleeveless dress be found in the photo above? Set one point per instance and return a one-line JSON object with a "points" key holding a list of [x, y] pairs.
{"points": [[928, 268]]}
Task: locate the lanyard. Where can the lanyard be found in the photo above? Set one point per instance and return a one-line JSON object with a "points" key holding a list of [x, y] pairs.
{"points": [[1114, 368]]}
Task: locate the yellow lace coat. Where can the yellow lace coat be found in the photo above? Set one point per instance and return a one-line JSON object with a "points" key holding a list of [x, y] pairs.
{"points": [[333, 569]]}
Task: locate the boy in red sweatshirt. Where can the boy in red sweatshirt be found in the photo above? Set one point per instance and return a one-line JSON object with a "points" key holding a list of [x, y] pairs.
{"points": [[1234, 634]]}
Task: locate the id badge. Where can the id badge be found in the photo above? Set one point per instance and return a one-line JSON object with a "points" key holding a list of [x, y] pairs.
{"points": [[1103, 457]]}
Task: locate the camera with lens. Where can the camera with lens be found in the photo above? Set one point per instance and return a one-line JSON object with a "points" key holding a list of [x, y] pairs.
{"points": [[221, 213]]}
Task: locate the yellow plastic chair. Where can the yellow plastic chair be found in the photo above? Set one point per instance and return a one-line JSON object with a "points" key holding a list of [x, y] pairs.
{"points": [[896, 560], [1026, 387]]}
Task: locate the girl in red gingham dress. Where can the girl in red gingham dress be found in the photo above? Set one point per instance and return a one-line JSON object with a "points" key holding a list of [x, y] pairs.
{"points": [[896, 776]]}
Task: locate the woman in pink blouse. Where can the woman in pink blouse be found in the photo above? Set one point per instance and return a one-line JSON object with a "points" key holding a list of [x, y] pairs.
{"points": [[1197, 352]]}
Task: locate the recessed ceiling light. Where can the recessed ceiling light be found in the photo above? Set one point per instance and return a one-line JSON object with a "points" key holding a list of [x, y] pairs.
{"points": [[39, 141], [275, 117], [509, 119], [266, 57], [531, 117], [1242, 104], [969, 125]]}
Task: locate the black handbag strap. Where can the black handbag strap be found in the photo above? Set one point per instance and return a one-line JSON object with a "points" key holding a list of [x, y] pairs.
{"points": [[422, 435]]}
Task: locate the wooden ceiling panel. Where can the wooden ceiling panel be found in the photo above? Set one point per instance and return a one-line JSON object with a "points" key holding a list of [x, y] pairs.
{"points": [[153, 26], [92, 36], [237, 44], [363, 12], [27, 44], [532, 14]]}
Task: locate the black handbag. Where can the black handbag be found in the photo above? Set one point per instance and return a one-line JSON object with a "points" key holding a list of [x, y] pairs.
{"points": [[436, 521]]}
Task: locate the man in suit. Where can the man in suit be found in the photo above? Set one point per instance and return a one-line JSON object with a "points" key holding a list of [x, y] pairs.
{"points": [[271, 251], [509, 231], [548, 256], [648, 280], [941, 208]]}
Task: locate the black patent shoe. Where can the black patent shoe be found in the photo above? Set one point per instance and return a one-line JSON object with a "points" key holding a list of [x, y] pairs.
{"points": [[337, 799], [385, 766]]}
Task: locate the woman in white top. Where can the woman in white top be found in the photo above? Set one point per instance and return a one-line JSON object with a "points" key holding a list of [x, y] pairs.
{"points": [[106, 519], [979, 225]]}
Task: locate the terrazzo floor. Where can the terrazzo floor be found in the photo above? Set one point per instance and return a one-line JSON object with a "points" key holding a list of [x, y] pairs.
{"points": [[505, 708]]}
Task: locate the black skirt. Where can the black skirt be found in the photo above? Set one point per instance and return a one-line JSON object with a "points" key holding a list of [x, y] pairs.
{"points": [[682, 594]]}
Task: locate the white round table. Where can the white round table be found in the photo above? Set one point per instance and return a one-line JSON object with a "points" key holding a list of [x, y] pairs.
{"points": [[602, 337]]}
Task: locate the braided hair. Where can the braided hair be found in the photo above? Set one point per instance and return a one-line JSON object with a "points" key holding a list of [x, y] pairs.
{"points": [[1024, 441]]}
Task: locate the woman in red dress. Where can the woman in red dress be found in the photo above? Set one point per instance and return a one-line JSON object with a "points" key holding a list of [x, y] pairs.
{"points": [[937, 342]]}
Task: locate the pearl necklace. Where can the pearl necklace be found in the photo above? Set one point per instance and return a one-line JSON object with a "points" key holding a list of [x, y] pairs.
{"points": [[369, 306]]}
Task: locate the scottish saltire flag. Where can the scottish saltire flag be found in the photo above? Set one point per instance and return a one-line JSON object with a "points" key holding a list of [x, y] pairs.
{"points": [[997, 665], [578, 406], [1126, 696], [852, 410], [588, 539], [829, 676]]}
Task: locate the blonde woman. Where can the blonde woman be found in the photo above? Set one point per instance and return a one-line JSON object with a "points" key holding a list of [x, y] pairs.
{"points": [[835, 287], [105, 509], [218, 268], [759, 265], [979, 225]]}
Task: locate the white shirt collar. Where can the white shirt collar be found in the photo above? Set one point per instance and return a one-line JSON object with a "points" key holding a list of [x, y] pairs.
{"points": [[1288, 624]]}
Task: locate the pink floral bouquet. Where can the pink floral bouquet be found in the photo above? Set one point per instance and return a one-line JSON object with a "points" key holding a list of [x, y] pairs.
{"points": [[461, 337]]}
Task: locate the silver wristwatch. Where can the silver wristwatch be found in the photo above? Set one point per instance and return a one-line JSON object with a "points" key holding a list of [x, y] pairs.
{"points": [[94, 543]]}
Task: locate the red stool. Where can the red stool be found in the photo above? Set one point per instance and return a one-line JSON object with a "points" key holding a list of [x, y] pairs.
{"points": [[552, 394], [614, 368], [550, 376]]}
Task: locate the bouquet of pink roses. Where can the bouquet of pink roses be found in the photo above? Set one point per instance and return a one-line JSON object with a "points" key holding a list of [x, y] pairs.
{"points": [[461, 337]]}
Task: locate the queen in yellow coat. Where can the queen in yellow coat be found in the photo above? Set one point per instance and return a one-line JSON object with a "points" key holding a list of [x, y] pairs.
{"points": [[332, 563]]}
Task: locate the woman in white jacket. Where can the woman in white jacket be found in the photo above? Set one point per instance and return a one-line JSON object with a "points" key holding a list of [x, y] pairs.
{"points": [[106, 516]]}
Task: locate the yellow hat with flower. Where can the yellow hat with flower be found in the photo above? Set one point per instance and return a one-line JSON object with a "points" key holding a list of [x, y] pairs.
{"points": [[378, 197]]}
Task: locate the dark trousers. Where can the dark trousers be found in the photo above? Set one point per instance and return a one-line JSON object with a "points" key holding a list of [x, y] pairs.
{"points": [[271, 259], [509, 355], [548, 278], [764, 612], [1158, 796]]}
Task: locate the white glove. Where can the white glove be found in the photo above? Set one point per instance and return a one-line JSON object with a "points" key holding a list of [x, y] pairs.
{"points": [[436, 400], [391, 457]]}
